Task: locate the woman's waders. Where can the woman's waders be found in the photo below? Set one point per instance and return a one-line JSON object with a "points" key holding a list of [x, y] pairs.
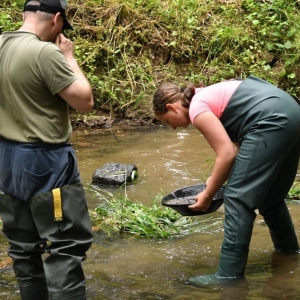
{"points": [[265, 121]]}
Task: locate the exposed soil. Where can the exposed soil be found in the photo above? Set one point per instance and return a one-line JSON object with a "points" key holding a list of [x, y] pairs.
{"points": [[105, 119]]}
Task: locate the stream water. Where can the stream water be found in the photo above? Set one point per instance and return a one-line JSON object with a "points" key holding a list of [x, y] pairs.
{"points": [[124, 267]]}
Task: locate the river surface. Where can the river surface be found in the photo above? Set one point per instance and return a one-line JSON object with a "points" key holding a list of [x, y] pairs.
{"points": [[126, 267]]}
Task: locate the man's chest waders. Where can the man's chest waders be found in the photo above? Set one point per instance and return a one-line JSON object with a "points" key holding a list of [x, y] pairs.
{"points": [[265, 121], [56, 223]]}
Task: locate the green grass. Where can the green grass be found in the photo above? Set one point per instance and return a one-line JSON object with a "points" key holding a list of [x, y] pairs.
{"points": [[294, 193], [126, 48], [120, 215]]}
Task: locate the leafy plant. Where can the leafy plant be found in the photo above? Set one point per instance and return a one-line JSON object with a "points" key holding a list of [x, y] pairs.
{"points": [[120, 215], [294, 193], [10, 16]]}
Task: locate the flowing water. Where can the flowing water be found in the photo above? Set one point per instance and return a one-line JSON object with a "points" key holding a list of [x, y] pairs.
{"points": [[129, 268]]}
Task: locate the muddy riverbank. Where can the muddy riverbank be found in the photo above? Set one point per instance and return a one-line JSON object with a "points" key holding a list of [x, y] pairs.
{"points": [[106, 119]]}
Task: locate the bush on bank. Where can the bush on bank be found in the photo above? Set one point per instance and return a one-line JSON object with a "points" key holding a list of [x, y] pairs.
{"points": [[126, 48]]}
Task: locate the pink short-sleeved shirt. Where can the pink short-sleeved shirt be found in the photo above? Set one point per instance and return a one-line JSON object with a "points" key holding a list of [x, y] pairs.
{"points": [[212, 98]]}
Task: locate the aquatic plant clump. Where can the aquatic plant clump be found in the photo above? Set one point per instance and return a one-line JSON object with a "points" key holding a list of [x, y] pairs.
{"points": [[294, 192], [121, 215]]}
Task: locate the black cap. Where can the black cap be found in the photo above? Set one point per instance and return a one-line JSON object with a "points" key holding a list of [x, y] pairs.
{"points": [[52, 7]]}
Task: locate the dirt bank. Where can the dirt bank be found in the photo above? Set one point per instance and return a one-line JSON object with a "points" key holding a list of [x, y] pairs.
{"points": [[105, 119]]}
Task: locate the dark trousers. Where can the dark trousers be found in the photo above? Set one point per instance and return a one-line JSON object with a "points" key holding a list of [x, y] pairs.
{"points": [[29, 220]]}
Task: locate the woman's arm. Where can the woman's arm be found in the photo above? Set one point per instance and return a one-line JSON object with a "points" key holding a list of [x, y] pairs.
{"points": [[214, 132]]}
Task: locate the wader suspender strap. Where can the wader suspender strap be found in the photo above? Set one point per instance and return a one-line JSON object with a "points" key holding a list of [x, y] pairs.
{"points": [[58, 216]]}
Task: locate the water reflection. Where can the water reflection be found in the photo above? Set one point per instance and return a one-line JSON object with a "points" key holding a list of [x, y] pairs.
{"points": [[283, 268], [124, 267], [166, 159]]}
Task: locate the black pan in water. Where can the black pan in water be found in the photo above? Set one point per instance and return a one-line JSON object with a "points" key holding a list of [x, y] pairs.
{"points": [[180, 199]]}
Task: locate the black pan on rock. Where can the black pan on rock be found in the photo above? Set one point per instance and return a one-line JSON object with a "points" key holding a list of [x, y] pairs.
{"points": [[180, 199]]}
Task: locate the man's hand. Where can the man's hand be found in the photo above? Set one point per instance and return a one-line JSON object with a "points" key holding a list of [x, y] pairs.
{"points": [[65, 45]]}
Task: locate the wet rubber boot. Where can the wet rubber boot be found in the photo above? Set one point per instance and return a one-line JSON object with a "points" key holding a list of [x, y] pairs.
{"points": [[34, 291], [285, 243], [282, 230], [231, 268], [75, 294]]}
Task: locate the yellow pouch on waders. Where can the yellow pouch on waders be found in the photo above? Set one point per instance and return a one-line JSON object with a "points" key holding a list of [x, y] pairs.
{"points": [[58, 213]]}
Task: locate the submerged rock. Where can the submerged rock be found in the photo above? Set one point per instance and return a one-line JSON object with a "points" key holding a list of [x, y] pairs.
{"points": [[115, 174]]}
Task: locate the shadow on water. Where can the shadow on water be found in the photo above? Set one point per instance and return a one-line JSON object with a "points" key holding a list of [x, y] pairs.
{"points": [[126, 267]]}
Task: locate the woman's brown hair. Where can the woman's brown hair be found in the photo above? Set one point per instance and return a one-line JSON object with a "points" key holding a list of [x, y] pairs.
{"points": [[170, 93]]}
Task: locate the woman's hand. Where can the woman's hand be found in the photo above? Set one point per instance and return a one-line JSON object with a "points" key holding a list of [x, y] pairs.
{"points": [[203, 202]]}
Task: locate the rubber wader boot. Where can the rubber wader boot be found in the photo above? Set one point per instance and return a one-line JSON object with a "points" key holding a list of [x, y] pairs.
{"points": [[75, 294], [34, 291], [285, 243], [282, 230], [231, 267]]}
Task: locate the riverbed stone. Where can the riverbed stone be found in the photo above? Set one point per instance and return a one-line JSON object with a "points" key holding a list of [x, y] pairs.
{"points": [[113, 173]]}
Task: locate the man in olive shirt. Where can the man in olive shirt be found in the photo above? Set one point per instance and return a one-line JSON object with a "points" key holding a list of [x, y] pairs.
{"points": [[42, 201]]}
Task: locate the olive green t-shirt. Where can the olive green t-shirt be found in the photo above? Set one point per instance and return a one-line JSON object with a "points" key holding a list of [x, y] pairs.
{"points": [[32, 73]]}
